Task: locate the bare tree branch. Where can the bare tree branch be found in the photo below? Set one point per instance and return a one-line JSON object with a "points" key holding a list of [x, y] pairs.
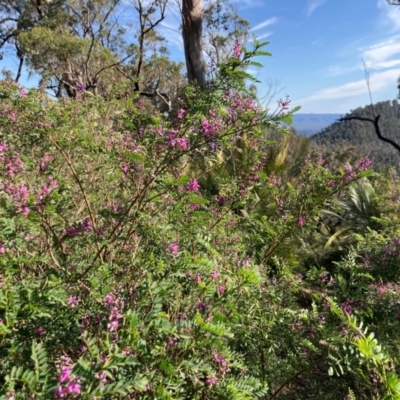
{"points": [[375, 120]]}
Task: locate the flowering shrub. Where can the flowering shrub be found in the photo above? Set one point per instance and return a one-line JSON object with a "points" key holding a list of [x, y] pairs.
{"points": [[154, 257]]}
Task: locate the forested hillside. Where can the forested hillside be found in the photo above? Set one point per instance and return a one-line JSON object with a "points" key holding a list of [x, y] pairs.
{"points": [[362, 136]]}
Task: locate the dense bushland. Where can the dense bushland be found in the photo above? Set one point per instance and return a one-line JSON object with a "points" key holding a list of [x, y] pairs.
{"points": [[152, 255]]}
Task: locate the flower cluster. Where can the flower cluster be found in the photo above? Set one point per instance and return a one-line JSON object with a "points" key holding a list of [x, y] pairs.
{"points": [[115, 306], [69, 384]]}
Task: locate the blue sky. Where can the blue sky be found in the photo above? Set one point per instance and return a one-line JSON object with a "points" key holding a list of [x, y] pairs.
{"points": [[318, 47]]}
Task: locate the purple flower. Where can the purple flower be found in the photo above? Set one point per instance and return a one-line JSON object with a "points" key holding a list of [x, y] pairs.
{"points": [[201, 306], [171, 342], [80, 88], [347, 308], [39, 331], [193, 186], [59, 392], [221, 201], [284, 104], [221, 290]]}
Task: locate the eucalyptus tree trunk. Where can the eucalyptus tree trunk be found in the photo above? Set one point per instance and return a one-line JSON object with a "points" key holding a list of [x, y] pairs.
{"points": [[192, 40]]}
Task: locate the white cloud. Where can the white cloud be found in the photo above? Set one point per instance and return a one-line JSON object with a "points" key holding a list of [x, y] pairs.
{"points": [[267, 22], [385, 64], [389, 15], [378, 81], [313, 5], [263, 36], [381, 55], [382, 51], [342, 69]]}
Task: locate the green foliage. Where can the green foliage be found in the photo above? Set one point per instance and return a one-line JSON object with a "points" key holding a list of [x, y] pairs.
{"points": [[166, 255]]}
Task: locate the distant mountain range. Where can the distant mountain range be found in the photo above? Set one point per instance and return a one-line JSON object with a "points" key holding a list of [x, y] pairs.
{"points": [[309, 124]]}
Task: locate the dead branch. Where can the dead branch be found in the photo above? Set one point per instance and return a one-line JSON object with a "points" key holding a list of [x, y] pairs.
{"points": [[375, 122]]}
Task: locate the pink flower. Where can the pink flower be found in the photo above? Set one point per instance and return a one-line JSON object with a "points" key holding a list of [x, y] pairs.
{"points": [[101, 376], [2, 250], [330, 183], [115, 314], [113, 325], [65, 374], [364, 163], [214, 274], [23, 191], [110, 299], [173, 248], [300, 221], [217, 358], [221, 290], [22, 92], [3, 147], [12, 116], [25, 211], [73, 301], [211, 380], [182, 143], [193, 186], [74, 388], [237, 49], [181, 113]]}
